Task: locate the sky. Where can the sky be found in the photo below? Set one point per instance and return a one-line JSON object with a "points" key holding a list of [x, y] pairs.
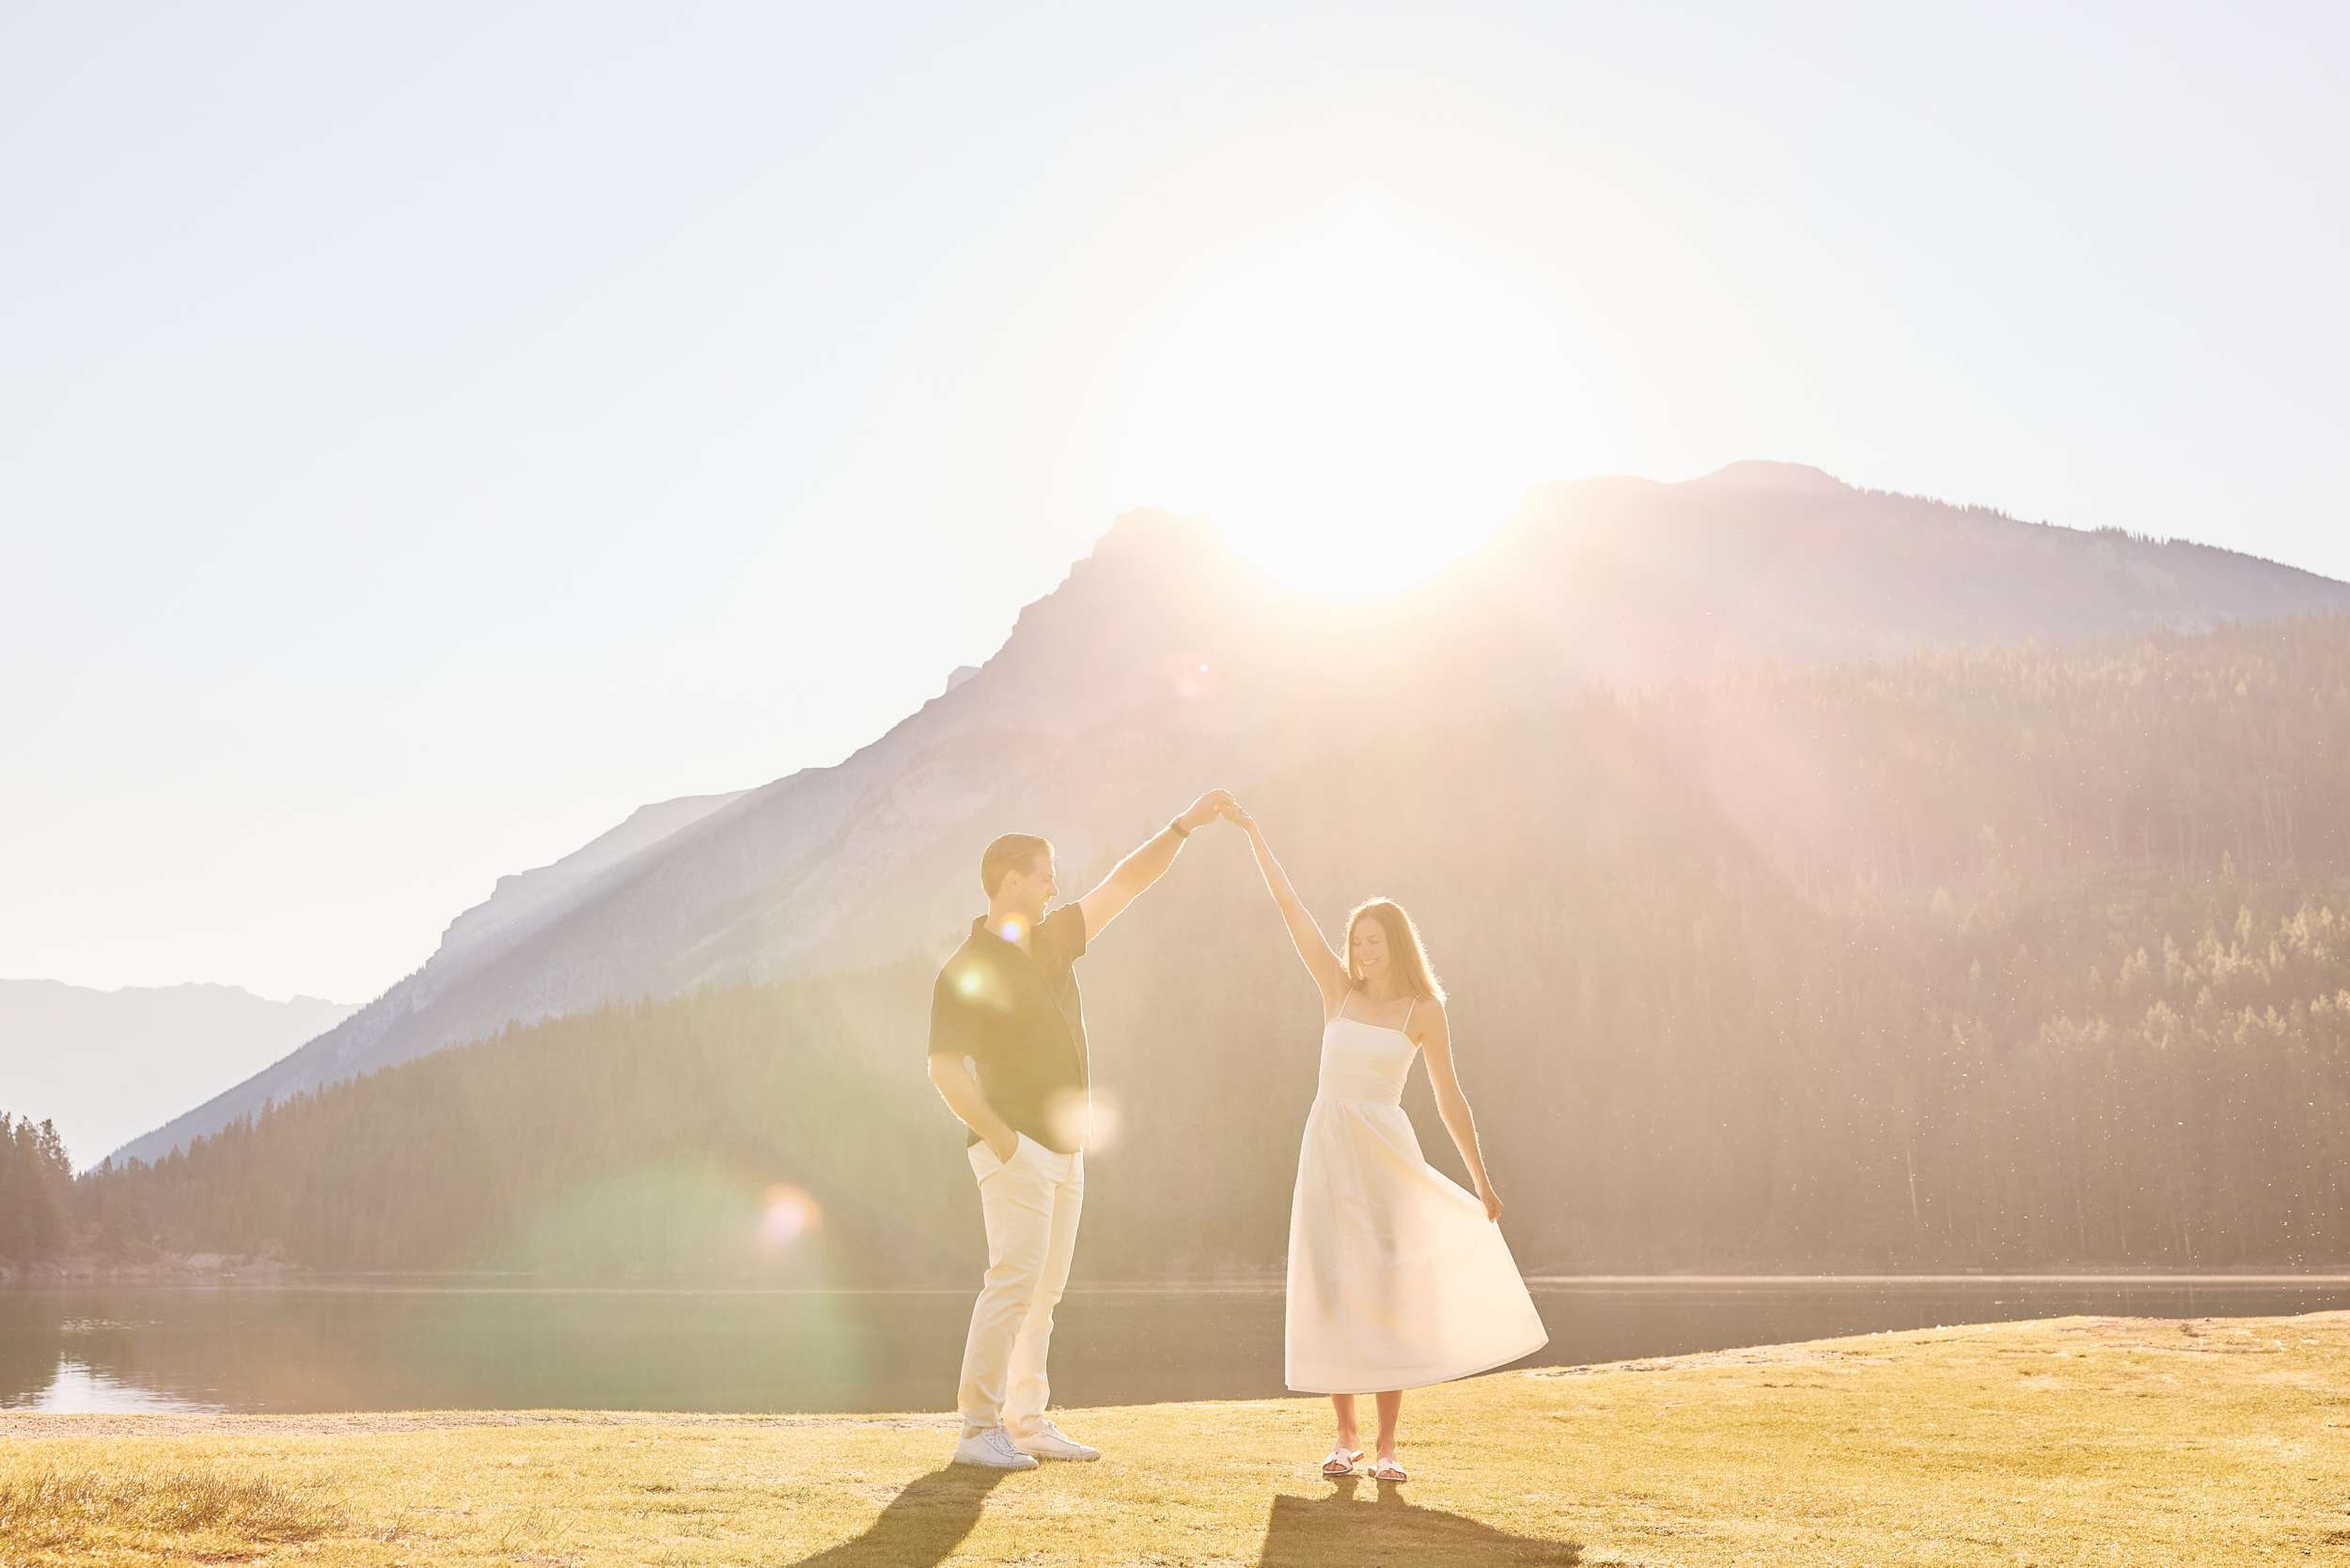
{"points": [[427, 432]]}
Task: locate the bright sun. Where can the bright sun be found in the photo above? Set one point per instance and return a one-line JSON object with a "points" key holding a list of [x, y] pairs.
{"points": [[1358, 404]]}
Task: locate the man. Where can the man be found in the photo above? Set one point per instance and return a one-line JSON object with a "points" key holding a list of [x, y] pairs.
{"points": [[1008, 1001]]}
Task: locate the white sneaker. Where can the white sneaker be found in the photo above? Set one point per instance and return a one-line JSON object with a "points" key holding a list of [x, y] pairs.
{"points": [[1047, 1442], [991, 1448]]}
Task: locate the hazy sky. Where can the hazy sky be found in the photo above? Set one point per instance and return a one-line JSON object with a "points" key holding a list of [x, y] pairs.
{"points": [[427, 432]]}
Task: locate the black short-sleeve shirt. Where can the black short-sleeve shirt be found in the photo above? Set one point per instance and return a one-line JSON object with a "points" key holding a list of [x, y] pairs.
{"points": [[1017, 1015]]}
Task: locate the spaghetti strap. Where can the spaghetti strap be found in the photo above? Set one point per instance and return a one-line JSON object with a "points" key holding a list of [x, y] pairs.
{"points": [[1405, 1030]]}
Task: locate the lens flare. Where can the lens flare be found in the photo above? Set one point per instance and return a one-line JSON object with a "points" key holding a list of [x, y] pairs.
{"points": [[1192, 674], [1083, 1118], [790, 1214], [1109, 1122], [981, 981]]}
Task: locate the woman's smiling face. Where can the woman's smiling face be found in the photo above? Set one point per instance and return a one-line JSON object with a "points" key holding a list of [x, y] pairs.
{"points": [[1367, 950]]}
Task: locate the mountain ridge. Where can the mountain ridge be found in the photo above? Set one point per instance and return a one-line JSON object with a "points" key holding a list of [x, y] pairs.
{"points": [[102, 1063], [2007, 958], [1163, 662]]}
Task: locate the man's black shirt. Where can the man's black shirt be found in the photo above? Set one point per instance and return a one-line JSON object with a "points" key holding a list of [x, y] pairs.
{"points": [[1018, 1016]]}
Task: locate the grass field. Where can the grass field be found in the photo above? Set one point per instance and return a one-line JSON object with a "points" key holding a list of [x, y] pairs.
{"points": [[2096, 1441]]}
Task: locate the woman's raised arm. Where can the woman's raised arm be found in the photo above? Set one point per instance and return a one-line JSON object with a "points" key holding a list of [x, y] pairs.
{"points": [[1313, 949]]}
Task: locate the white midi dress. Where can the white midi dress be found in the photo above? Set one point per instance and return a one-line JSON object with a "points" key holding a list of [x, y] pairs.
{"points": [[1397, 1278]]}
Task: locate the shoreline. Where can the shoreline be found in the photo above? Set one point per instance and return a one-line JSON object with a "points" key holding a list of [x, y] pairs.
{"points": [[54, 1277], [2134, 1441]]}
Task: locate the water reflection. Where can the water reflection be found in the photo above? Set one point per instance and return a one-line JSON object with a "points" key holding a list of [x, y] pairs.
{"points": [[369, 1346], [77, 1390]]}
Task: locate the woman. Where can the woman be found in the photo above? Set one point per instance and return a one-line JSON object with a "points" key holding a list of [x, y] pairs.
{"points": [[1397, 1278]]}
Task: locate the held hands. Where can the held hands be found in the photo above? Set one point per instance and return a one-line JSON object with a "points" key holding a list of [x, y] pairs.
{"points": [[1239, 818], [1214, 804]]}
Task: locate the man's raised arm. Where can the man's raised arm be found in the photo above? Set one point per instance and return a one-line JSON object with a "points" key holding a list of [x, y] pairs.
{"points": [[1146, 865]]}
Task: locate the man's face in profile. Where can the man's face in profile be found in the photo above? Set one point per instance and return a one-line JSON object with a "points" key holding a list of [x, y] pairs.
{"points": [[1027, 892]]}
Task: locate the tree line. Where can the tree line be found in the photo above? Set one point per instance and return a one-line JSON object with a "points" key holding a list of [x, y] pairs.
{"points": [[2010, 958], [36, 1192]]}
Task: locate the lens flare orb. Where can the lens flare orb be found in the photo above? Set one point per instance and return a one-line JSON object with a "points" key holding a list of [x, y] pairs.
{"points": [[789, 1215], [1192, 673], [1108, 1123]]}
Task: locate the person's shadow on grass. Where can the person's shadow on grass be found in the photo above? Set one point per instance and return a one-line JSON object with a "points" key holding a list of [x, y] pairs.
{"points": [[1310, 1532], [921, 1526]]}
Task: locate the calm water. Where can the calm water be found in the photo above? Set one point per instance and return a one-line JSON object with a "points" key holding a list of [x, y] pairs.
{"points": [[376, 1347]]}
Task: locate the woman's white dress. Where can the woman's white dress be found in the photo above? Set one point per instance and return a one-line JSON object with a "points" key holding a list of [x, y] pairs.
{"points": [[1397, 1278]]}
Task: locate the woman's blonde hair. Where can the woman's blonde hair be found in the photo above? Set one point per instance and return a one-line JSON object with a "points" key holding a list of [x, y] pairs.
{"points": [[1411, 955]]}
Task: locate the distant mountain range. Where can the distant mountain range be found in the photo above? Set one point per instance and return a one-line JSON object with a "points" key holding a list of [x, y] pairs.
{"points": [[1164, 666], [105, 1064]]}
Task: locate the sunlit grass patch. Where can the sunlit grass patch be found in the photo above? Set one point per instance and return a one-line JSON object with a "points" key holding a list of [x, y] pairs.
{"points": [[129, 1516], [2114, 1442]]}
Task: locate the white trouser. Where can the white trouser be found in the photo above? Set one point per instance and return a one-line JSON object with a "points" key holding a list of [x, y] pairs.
{"points": [[1031, 1203]]}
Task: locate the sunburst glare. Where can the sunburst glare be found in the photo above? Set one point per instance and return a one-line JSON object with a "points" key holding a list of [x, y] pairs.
{"points": [[1359, 403]]}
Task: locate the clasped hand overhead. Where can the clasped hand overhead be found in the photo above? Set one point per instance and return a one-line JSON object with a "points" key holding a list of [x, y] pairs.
{"points": [[1200, 812]]}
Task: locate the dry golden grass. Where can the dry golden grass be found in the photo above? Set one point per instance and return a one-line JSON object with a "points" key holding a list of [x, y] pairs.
{"points": [[2079, 1441], [132, 1513]]}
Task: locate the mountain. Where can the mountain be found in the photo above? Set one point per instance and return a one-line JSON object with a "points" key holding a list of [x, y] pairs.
{"points": [[518, 905], [535, 897], [104, 1064], [2019, 957], [1163, 665]]}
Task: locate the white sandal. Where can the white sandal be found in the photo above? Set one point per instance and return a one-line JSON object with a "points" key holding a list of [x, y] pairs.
{"points": [[1341, 1462], [1387, 1469]]}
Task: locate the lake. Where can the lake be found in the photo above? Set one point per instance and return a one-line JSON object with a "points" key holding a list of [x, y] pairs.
{"points": [[378, 1345]]}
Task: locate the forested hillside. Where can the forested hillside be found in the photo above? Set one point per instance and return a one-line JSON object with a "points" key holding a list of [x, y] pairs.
{"points": [[1163, 659], [2011, 959]]}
